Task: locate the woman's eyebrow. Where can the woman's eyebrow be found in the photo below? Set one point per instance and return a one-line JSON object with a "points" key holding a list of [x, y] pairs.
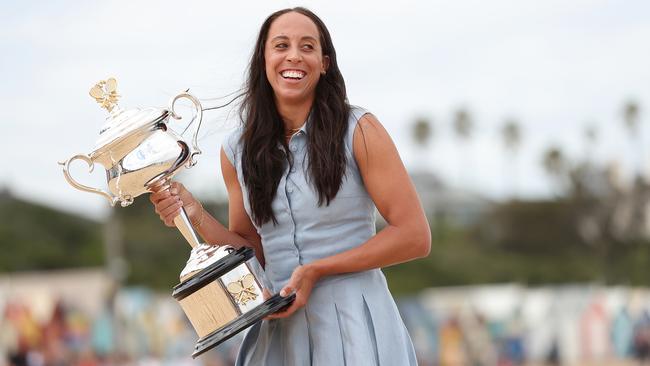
{"points": [[279, 38], [283, 37]]}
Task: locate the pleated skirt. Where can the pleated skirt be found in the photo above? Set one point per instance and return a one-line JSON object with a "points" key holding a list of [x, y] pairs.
{"points": [[349, 320]]}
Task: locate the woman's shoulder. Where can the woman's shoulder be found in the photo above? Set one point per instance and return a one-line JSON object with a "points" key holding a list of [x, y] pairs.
{"points": [[356, 113]]}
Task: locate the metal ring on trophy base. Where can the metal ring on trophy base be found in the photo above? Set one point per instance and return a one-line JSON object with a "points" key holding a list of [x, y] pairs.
{"points": [[225, 297]]}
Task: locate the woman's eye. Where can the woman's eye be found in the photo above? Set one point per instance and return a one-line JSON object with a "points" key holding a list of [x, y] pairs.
{"points": [[308, 47], [281, 45]]}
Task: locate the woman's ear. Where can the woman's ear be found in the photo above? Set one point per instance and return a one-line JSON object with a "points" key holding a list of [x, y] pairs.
{"points": [[326, 64]]}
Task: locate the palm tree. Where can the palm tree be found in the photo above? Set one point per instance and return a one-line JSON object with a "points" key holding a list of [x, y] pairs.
{"points": [[631, 120], [463, 124], [511, 134], [631, 116], [463, 127], [422, 134], [555, 165], [422, 131], [590, 134]]}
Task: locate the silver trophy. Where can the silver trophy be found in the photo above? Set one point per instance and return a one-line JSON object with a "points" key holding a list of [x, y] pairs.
{"points": [[221, 288]]}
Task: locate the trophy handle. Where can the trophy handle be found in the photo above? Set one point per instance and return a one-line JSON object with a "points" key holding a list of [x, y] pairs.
{"points": [[198, 115], [91, 165]]}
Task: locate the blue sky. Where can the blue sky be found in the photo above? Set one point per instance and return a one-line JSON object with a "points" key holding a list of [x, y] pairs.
{"points": [[555, 66]]}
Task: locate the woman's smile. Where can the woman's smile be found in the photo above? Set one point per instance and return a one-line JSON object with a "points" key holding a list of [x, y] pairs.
{"points": [[293, 74]]}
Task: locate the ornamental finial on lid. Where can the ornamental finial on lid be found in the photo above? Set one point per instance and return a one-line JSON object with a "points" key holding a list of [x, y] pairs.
{"points": [[105, 93]]}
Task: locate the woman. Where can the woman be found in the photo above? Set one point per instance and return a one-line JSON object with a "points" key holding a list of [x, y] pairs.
{"points": [[303, 177]]}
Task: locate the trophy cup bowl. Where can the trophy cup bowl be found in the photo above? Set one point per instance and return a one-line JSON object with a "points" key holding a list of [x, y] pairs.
{"points": [[221, 287]]}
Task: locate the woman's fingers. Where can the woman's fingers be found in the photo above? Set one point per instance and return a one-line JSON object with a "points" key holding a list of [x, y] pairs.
{"points": [[297, 303], [266, 294], [167, 207], [294, 283], [287, 290], [301, 285], [167, 203], [173, 191], [156, 197], [169, 213], [164, 203]]}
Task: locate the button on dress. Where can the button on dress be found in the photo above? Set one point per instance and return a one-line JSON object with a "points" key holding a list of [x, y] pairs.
{"points": [[349, 319]]}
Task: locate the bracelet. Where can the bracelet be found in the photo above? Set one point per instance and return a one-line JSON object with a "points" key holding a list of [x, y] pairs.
{"points": [[200, 220]]}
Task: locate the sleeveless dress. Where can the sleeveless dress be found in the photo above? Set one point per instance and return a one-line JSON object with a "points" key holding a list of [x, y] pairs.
{"points": [[350, 319]]}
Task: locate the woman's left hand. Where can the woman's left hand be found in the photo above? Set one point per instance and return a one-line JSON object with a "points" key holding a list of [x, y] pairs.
{"points": [[301, 283]]}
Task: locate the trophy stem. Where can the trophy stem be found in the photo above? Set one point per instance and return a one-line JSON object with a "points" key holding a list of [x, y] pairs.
{"points": [[184, 225]]}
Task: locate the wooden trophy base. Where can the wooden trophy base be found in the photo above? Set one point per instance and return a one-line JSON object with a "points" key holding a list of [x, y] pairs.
{"points": [[270, 306], [225, 298]]}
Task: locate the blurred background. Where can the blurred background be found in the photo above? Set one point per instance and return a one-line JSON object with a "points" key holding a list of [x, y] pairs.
{"points": [[524, 126]]}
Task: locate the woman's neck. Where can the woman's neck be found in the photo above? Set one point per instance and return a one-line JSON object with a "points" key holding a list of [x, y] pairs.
{"points": [[294, 115]]}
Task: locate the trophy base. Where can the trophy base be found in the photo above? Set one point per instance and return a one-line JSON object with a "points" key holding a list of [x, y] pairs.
{"points": [[268, 307]]}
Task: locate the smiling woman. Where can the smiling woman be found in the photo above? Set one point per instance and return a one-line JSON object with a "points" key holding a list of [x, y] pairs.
{"points": [[294, 59], [304, 175]]}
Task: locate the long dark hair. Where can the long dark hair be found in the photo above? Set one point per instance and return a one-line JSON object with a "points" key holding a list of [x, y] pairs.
{"points": [[263, 158]]}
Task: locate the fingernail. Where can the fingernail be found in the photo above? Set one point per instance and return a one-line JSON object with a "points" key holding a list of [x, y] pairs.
{"points": [[283, 293]]}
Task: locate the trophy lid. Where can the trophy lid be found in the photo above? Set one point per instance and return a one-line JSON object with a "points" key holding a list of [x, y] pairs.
{"points": [[120, 123]]}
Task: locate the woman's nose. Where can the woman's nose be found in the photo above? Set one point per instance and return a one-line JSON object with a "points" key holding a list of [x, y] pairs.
{"points": [[294, 55]]}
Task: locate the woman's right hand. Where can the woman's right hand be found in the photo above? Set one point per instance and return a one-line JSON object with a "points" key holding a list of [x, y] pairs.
{"points": [[168, 204]]}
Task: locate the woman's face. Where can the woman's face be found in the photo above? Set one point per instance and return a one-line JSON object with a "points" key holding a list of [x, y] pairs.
{"points": [[294, 58]]}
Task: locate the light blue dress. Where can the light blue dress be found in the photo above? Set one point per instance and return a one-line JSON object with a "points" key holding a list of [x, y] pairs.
{"points": [[349, 319]]}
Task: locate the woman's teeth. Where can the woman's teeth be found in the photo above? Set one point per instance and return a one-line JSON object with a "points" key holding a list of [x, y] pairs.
{"points": [[293, 74]]}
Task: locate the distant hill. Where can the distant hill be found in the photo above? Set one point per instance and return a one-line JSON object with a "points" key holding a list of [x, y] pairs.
{"points": [[530, 242], [35, 237]]}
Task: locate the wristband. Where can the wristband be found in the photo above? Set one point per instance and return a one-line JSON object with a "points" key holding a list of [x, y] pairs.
{"points": [[199, 222]]}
